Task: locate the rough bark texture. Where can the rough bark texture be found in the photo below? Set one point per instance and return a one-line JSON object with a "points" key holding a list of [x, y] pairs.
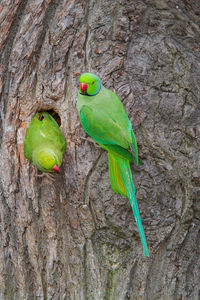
{"points": [[74, 238]]}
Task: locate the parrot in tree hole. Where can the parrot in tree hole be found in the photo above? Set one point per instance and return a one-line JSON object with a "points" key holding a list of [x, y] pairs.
{"points": [[104, 118], [44, 143]]}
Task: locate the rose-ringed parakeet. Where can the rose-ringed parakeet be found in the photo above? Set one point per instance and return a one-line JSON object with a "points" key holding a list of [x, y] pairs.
{"points": [[44, 143], [104, 118]]}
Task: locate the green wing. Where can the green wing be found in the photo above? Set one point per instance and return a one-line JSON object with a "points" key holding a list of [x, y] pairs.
{"points": [[102, 128], [106, 130]]}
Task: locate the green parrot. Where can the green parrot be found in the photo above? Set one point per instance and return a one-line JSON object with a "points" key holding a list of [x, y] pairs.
{"points": [[104, 118], [44, 143]]}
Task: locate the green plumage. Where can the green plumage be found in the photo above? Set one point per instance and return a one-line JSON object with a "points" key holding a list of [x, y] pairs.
{"points": [[104, 118], [44, 142]]}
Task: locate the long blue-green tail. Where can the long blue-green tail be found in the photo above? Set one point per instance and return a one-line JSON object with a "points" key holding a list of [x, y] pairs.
{"points": [[122, 182]]}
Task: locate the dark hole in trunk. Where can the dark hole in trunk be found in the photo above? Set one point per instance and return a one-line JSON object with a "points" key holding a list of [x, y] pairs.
{"points": [[54, 114]]}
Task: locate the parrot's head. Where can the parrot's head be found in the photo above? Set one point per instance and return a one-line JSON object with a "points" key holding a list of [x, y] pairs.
{"points": [[89, 84], [46, 161]]}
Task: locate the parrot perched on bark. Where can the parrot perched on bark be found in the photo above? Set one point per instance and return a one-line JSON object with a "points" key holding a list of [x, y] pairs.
{"points": [[44, 143], [104, 118]]}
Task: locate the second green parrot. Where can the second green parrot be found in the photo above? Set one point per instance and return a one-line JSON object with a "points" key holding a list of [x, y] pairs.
{"points": [[44, 143], [104, 118]]}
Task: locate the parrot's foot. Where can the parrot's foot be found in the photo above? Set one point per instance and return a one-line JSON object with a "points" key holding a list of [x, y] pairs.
{"points": [[77, 140], [89, 139], [50, 176]]}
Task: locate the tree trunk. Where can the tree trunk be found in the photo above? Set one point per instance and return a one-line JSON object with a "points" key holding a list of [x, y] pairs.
{"points": [[74, 238]]}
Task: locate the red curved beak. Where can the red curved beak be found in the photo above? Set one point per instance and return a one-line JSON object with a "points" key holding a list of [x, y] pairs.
{"points": [[83, 87], [56, 169]]}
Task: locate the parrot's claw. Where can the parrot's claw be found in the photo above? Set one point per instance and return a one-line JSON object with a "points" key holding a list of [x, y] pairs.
{"points": [[89, 139], [50, 176]]}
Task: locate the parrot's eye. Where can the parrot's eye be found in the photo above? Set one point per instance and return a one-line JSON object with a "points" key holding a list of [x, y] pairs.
{"points": [[92, 82]]}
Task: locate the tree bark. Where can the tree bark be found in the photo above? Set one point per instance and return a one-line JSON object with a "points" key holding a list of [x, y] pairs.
{"points": [[74, 238]]}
